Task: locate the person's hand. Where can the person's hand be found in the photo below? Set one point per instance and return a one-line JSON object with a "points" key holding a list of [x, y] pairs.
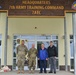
{"points": [[55, 57], [46, 58]]}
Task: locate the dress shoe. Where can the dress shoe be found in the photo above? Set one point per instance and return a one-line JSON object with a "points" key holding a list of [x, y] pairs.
{"points": [[54, 72], [50, 72]]}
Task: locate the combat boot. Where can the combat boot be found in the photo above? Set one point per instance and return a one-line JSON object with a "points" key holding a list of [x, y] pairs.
{"points": [[33, 71], [29, 71], [22, 71], [18, 71]]}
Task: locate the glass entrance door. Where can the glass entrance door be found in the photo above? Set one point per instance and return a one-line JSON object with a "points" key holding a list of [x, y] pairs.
{"points": [[71, 54]]}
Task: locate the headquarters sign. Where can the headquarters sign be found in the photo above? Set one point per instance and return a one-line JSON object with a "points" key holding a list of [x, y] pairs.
{"points": [[40, 8]]}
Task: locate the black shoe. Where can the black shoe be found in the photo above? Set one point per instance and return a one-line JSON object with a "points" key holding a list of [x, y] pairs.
{"points": [[50, 72], [45, 72], [54, 72]]}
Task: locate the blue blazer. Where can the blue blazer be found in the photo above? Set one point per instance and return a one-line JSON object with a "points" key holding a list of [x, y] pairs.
{"points": [[43, 54]]}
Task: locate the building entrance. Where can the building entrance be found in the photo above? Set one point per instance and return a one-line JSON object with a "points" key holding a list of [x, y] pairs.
{"points": [[37, 40]]}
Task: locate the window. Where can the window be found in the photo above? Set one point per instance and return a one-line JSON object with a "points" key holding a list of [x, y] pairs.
{"points": [[71, 53]]}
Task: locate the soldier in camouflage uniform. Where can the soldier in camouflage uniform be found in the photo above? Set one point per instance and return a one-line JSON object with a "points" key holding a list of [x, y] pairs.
{"points": [[32, 58], [21, 52]]}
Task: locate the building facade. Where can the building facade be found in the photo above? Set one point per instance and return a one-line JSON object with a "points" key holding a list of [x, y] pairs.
{"points": [[37, 30]]}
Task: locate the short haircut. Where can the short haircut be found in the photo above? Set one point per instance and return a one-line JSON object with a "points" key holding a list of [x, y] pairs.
{"points": [[22, 41], [42, 44]]}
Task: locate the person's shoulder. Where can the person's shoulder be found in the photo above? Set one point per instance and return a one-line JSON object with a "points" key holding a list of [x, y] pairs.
{"points": [[25, 46], [40, 50], [18, 46], [48, 47], [45, 48], [54, 46], [35, 48], [29, 50]]}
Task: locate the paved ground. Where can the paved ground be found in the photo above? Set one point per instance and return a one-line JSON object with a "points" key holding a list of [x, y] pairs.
{"points": [[37, 73]]}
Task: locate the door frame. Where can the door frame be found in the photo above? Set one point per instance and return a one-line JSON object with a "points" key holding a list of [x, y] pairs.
{"points": [[71, 57]]}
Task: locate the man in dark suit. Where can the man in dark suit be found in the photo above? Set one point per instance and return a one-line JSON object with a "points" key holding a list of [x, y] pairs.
{"points": [[52, 53]]}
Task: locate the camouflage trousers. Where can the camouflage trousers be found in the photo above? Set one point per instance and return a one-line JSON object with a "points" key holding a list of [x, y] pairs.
{"points": [[20, 64], [32, 63]]}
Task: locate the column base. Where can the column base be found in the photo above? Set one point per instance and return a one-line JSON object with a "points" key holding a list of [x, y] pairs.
{"points": [[62, 67]]}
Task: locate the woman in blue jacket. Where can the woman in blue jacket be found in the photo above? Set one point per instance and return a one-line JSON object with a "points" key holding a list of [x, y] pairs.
{"points": [[43, 57]]}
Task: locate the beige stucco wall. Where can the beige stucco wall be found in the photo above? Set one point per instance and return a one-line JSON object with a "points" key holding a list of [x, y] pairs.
{"points": [[69, 32], [45, 26], [27, 25]]}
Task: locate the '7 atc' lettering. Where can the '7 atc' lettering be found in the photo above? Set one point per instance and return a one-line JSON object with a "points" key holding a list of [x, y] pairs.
{"points": [[36, 12]]}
